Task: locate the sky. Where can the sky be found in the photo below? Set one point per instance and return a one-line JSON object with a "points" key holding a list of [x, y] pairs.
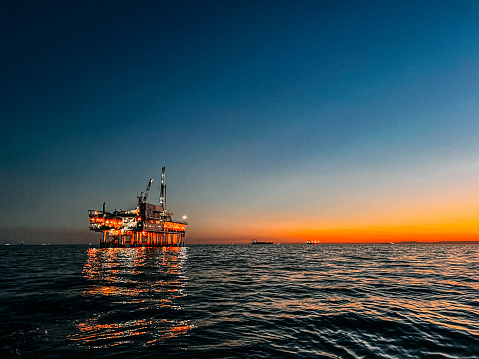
{"points": [[337, 121]]}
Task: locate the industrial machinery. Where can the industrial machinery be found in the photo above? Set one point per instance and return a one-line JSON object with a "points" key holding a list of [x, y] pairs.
{"points": [[147, 225]]}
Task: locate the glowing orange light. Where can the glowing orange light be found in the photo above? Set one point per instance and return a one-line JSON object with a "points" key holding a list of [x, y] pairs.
{"points": [[174, 226]]}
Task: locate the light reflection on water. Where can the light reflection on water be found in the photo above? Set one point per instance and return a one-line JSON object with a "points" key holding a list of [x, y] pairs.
{"points": [[402, 300], [145, 281], [281, 301]]}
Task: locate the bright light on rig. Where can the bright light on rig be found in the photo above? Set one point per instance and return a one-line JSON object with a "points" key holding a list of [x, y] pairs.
{"points": [[184, 217]]}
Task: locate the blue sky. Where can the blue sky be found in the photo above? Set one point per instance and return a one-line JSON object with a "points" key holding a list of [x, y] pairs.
{"points": [[323, 112]]}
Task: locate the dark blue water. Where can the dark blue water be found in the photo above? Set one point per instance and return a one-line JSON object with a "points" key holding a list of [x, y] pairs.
{"points": [[279, 301]]}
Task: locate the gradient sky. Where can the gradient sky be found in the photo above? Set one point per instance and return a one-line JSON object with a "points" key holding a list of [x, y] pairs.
{"points": [[284, 120]]}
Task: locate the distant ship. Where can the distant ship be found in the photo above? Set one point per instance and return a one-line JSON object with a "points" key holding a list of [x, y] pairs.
{"points": [[313, 242], [254, 241]]}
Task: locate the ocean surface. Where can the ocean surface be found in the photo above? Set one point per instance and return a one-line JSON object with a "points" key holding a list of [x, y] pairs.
{"points": [[240, 301]]}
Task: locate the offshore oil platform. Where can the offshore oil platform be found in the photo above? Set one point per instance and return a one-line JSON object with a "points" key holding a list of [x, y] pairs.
{"points": [[147, 225]]}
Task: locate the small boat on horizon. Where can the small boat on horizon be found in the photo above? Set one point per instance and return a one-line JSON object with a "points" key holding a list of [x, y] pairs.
{"points": [[254, 241], [313, 242]]}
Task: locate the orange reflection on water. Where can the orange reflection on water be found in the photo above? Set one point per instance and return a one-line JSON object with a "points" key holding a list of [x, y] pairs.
{"points": [[172, 332], [93, 331], [131, 282], [112, 334]]}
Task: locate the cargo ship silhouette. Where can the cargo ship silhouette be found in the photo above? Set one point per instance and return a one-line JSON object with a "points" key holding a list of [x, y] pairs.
{"points": [[254, 241]]}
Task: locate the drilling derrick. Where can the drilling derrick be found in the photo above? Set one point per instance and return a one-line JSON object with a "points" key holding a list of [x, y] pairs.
{"points": [[163, 189], [148, 225]]}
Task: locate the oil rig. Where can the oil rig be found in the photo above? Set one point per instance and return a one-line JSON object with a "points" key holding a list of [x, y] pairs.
{"points": [[148, 225]]}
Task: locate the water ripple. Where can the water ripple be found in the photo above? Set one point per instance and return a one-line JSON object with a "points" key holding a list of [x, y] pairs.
{"points": [[345, 301]]}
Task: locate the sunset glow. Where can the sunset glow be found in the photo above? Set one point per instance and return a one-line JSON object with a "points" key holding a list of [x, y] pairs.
{"points": [[336, 121]]}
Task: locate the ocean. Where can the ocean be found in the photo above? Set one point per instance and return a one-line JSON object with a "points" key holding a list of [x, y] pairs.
{"points": [[240, 301]]}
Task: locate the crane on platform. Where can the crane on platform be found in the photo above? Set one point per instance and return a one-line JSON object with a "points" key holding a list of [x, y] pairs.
{"points": [[143, 198]]}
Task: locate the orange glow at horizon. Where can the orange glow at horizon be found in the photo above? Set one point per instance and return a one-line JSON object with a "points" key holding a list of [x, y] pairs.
{"points": [[436, 202], [420, 229], [422, 225]]}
